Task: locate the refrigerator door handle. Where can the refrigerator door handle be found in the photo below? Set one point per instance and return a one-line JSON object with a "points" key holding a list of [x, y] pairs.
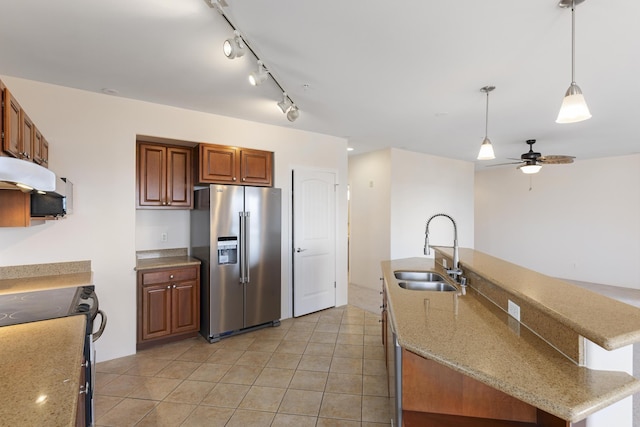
{"points": [[242, 250], [247, 239]]}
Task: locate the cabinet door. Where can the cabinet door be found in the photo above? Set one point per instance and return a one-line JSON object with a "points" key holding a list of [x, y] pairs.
{"points": [[36, 146], [217, 164], [12, 143], [28, 133], [152, 175], [156, 310], [44, 153], [185, 307], [179, 176], [256, 167]]}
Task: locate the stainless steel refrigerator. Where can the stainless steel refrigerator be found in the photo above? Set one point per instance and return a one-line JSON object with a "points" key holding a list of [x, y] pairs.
{"points": [[235, 232]]}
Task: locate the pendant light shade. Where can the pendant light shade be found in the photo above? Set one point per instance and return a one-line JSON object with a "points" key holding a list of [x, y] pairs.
{"points": [[486, 149], [574, 107]]}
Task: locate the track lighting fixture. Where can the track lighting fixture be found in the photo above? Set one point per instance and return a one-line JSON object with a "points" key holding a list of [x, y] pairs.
{"points": [[236, 46], [233, 47], [486, 149], [574, 107], [285, 104], [258, 76], [293, 113]]}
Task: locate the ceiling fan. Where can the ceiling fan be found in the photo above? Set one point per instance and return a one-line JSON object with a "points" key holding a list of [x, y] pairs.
{"points": [[532, 161]]}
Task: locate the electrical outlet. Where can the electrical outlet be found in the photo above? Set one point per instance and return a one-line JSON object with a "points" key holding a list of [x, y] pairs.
{"points": [[164, 237], [514, 310]]}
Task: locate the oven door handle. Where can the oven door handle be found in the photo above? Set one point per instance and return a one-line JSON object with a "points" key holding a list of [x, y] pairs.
{"points": [[103, 324]]}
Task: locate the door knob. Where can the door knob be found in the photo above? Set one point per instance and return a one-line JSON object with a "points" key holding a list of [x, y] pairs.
{"points": [[300, 250]]}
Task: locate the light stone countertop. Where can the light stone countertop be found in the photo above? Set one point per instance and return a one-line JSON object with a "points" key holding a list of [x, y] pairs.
{"points": [[164, 258], [607, 322], [474, 337], [162, 262], [37, 277], [40, 372]]}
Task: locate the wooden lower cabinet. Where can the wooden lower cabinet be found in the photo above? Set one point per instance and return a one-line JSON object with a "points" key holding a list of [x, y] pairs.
{"points": [[434, 395], [168, 304]]}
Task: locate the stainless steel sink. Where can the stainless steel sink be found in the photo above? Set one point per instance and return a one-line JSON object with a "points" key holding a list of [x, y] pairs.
{"points": [[436, 286], [420, 276]]}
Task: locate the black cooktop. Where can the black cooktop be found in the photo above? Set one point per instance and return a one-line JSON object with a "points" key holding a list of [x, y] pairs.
{"points": [[45, 304]]}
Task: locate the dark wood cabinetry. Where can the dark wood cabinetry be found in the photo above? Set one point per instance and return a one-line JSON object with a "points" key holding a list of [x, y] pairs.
{"points": [[164, 177], [12, 141], [20, 137], [220, 164], [168, 304]]}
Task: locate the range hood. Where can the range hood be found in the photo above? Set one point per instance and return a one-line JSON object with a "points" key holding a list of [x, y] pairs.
{"points": [[15, 171]]}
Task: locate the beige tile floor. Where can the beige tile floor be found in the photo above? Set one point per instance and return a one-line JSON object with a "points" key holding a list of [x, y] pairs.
{"points": [[323, 369]]}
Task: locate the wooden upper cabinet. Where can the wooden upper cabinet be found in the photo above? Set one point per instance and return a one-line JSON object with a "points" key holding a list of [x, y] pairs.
{"points": [[21, 138], [220, 164], [39, 149], [164, 177], [217, 164], [28, 133], [256, 167], [12, 129]]}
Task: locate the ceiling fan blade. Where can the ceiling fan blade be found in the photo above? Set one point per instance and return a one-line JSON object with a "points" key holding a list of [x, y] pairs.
{"points": [[556, 159], [503, 164]]}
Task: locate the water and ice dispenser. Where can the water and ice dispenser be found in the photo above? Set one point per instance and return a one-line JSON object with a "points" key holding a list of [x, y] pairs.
{"points": [[227, 250]]}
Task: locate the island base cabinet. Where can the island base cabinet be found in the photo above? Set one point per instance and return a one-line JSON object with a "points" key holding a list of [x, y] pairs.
{"points": [[436, 396]]}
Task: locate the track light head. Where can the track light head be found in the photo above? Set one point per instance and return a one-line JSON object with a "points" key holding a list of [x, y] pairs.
{"points": [[293, 113], [258, 76], [234, 47], [285, 104]]}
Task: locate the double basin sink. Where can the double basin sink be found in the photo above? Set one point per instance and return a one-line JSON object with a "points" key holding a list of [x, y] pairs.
{"points": [[423, 281]]}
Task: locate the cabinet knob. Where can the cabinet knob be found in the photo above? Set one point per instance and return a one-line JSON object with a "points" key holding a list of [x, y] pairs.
{"points": [[169, 203], [174, 286], [233, 179], [171, 276], [169, 287], [244, 179]]}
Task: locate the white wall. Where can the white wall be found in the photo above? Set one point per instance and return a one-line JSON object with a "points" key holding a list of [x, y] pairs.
{"points": [[369, 216], [393, 193], [578, 221], [92, 142], [423, 185]]}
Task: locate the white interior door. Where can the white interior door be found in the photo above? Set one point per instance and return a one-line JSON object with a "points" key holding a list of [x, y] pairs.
{"points": [[314, 241]]}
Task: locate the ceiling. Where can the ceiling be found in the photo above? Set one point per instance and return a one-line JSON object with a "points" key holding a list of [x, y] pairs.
{"points": [[403, 74]]}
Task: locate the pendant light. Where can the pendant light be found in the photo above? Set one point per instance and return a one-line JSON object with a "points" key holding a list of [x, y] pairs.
{"points": [[574, 107], [486, 149]]}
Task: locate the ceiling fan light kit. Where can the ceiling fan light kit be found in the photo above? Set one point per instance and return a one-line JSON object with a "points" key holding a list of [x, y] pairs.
{"points": [[574, 107], [486, 149]]}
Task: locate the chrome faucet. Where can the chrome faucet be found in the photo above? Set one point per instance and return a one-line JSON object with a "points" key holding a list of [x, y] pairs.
{"points": [[454, 272]]}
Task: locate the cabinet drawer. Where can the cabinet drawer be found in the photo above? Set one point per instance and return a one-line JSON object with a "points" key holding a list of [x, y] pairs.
{"points": [[164, 276]]}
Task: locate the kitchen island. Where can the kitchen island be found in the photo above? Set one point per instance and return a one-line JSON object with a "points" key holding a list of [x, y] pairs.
{"points": [[537, 361], [44, 350], [40, 372]]}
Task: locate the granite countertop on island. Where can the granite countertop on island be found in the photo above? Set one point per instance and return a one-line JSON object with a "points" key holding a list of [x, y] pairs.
{"points": [[164, 258], [40, 372], [472, 335]]}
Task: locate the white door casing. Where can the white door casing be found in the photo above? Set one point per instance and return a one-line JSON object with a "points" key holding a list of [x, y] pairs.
{"points": [[314, 241]]}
